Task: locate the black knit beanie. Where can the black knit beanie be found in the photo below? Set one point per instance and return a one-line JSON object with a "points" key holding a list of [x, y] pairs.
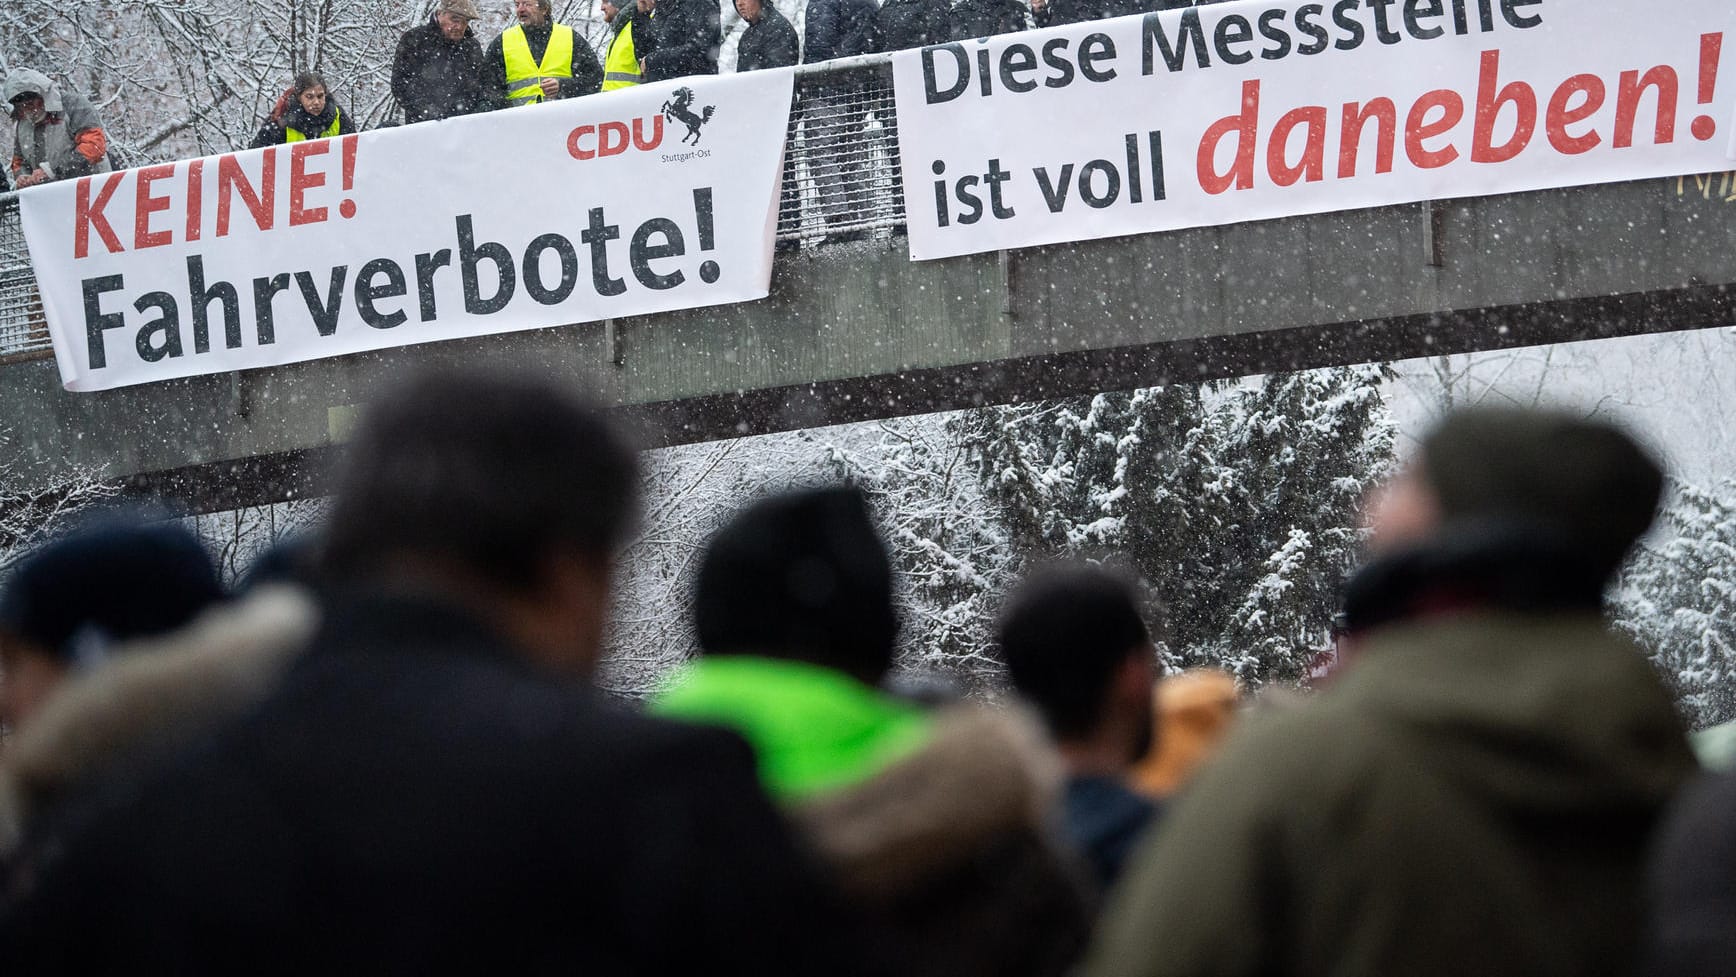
{"points": [[1587, 481], [107, 583], [802, 576]]}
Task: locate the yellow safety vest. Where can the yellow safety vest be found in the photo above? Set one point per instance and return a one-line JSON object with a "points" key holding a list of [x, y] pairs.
{"points": [[622, 69], [296, 135], [523, 75]]}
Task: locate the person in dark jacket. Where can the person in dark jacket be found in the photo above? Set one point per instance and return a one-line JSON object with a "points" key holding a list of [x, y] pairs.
{"points": [[538, 59], [935, 824], [839, 29], [305, 110], [1077, 648], [1475, 791], [1692, 884], [986, 18], [685, 36], [437, 72], [1053, 13], [905, 24], [429, 789], [833, 119], [769, 41]]}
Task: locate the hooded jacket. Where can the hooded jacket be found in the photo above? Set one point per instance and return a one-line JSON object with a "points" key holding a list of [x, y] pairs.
{"points": [[1472, 796], [436, 78], [937, 829], [68, 142]]}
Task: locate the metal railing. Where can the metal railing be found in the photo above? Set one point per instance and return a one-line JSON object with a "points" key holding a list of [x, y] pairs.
{"points": [[22, 329], [841, 182]]}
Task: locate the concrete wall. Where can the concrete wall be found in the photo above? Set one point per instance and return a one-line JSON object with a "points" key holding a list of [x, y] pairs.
{"points": [[858, 331]]}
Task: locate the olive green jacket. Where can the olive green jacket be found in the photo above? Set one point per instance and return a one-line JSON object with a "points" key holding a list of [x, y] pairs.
{"points": [[1473, 796]]}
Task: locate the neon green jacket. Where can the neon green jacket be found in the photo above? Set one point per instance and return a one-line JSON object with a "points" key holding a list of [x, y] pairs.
{"points": [[813, 729]]}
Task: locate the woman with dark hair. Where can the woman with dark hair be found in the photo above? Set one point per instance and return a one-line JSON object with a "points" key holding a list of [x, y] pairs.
{"points": [[303, 111]]}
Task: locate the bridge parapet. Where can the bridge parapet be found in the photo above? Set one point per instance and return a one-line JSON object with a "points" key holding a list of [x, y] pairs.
{"points": [[855, 331]]}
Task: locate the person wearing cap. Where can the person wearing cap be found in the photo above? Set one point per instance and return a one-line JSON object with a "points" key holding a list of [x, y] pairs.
{"points": [[538, 59], [1475, 790], [437, 72], [56, 132], [69, 605], [934, 824]]}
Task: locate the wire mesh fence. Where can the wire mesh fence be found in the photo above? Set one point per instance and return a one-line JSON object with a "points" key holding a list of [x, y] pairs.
{"points": [[22, 329], [841, 183]]}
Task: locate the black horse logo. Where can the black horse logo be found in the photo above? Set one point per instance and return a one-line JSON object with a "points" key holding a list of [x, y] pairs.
{"points": [[679, 108]]}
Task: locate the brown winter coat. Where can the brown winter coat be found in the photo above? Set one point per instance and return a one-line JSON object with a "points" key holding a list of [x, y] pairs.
{"points": [[950, 849]]}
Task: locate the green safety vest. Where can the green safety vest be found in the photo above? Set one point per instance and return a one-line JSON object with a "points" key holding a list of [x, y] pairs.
{"points": [[296, 135], [622, 69], [812, 729], [523, 74]]}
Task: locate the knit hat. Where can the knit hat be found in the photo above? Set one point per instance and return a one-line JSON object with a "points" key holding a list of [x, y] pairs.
{"points": [[802, 576], [1587, 481], [459, 8], [107, 583]]}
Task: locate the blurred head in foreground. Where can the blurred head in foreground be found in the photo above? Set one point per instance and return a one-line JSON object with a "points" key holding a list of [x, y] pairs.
{"points": [[1077, 648], [71, 603], [503, 493], [802, 576], [1525, 509]]}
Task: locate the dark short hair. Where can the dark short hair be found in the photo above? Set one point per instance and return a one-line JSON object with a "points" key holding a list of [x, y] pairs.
{"points": [[490, 471], [1063, 633], [309, 79], [802, 576]]}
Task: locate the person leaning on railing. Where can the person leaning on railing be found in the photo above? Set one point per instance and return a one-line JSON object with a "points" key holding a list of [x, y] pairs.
{"points": [[305, 110], [770, 42], [835, 116], [539, 59], [56, 133]]}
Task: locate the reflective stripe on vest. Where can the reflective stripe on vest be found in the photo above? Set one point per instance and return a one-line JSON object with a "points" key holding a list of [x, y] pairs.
{"points": [[523, 75], [622, 71], [296, 135]]}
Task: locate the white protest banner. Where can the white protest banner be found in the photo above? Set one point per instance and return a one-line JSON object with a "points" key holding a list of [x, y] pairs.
{"points": [[641, 200], [1273, 108]]}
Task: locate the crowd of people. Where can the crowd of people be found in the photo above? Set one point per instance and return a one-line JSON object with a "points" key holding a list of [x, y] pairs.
{"points": [[382, 754], [441, 70]]}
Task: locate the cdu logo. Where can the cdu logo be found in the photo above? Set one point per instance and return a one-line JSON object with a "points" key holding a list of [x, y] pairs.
{"points": [[679, 108]]}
